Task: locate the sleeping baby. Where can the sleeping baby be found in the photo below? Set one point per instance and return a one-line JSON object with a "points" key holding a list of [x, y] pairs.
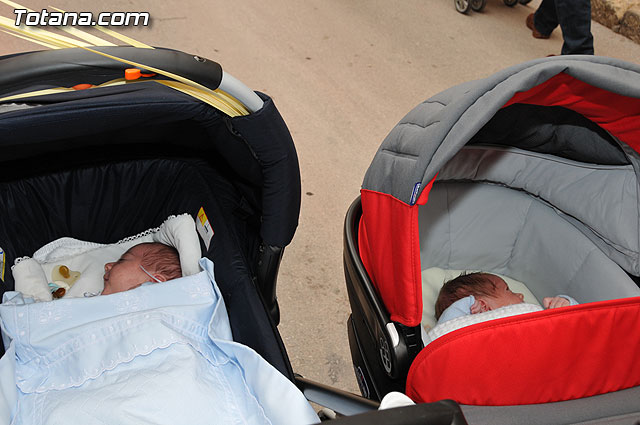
{"points": [[142, 262], [479, 292]]}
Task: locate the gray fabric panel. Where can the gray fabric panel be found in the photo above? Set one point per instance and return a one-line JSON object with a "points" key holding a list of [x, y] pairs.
{"points": [[457, 228], [629, 419], [461, 111], [552, 257], [479, 226], [620, 407], [603, 198]]}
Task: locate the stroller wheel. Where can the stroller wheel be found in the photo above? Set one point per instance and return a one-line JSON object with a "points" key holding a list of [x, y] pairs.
{"points": [[462, 6], [478, 5], [511, 3]]}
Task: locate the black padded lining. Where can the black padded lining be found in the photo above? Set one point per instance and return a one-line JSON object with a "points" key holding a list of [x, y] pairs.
{"points": [[553, 130]]}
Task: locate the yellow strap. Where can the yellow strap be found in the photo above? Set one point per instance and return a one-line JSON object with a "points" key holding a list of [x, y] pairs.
{"points": [[231, 108], [216, 98], [15, 5], [128, 40], [89, 38], [62, 41], [37, 93], [233, 101], [150, 68], [42, 43], [201, 90], [40, 34], [97, 40], [223, 102], [56, 90]]}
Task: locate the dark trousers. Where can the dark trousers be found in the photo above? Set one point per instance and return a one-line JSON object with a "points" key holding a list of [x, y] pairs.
{"points": [[574, 18]]}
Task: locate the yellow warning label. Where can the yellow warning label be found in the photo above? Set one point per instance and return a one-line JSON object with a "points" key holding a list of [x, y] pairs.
{"points": [[202, 216], [204, 227]]}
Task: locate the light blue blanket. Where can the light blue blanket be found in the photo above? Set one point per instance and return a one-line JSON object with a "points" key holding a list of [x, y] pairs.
{"points": [[158, 354]]}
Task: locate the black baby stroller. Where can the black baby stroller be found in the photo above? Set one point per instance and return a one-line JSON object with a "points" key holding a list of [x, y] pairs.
{"points": [[531, 174], [91, 155], [159, 152]]}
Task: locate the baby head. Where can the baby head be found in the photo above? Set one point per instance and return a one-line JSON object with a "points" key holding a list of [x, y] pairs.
{"points": [[141, 263], [489, 290]]}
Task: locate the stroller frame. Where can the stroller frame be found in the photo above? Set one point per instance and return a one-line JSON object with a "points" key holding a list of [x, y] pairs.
{"points": [[373, 337]]}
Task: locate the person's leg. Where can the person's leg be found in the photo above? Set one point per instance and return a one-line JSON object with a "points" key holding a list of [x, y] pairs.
{"points": [[574, 17], [545, 19]]}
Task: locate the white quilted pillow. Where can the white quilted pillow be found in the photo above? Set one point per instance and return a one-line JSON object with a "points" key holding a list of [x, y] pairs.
{"points": [[471, 319], [432, 280], [32, 275]]}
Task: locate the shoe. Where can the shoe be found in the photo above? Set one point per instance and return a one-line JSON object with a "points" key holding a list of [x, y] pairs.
{"points": [[534, 31], [524, 1]]}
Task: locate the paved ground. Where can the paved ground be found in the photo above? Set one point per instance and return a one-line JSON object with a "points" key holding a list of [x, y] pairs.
{"points": [[342, 73]]}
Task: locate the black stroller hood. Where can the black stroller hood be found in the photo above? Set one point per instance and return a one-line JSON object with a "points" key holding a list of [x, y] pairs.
{"points": [[150, 119]]}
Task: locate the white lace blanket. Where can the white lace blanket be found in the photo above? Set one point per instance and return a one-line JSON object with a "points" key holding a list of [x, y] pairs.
{"points": [[460, 322]]}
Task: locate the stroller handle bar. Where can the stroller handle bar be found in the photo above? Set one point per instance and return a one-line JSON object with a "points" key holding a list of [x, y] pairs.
{"points": [[240, 91], [73, 66]]}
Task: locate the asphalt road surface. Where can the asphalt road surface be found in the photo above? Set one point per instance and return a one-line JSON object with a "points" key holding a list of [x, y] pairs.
{"points": [[342, 73]]}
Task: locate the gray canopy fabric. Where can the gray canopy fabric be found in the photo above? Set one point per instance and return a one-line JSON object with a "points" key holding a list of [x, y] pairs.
{"points": [[600, 200], [428, 136], [598, 192]]}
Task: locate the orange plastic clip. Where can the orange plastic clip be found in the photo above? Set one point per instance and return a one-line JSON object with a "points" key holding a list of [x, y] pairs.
{"points": [[82, 86], [132, 74]]}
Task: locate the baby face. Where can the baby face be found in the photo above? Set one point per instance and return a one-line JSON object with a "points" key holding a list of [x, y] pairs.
{"points": [[503, 296], [126, 273]]}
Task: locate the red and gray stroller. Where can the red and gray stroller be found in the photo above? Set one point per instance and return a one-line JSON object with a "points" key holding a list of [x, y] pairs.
{"points": [[531, 174]]}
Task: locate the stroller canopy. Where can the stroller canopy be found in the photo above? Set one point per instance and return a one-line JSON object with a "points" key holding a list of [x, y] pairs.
{"points": [[582, 109]]}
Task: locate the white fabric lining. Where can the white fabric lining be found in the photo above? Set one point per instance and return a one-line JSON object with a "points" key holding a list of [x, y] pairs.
{"points": [[460, 322]]}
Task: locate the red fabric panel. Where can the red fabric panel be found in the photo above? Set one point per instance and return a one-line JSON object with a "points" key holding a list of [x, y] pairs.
{"points": [[542, 357], [620, 115], [390, 251], [388, 239]]}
